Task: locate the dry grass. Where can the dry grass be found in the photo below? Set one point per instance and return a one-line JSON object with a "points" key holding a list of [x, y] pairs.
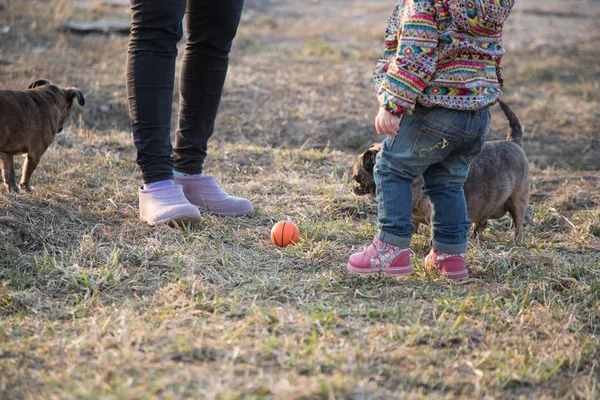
{"points": [[95, 305]]}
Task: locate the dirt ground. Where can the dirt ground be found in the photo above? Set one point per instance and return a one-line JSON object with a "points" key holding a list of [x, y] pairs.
{"points": [[93, 304]]}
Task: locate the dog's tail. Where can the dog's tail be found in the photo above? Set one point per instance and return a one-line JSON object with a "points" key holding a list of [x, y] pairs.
{"points": [[515, 133]]}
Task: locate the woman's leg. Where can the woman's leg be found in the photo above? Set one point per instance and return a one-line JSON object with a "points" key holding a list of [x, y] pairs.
{"points": [[211, 26], [155, 32]]}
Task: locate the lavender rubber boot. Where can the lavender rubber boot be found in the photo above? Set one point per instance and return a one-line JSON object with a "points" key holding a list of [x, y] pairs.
{"points": [[164, 205], [204, 192]]}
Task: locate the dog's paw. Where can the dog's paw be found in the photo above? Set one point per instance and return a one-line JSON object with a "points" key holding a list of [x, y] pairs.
{"points": [[12, 189], [26, 187]]}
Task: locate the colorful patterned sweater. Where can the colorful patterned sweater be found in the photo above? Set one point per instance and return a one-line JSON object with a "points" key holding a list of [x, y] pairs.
{"points": [[442, 53]]}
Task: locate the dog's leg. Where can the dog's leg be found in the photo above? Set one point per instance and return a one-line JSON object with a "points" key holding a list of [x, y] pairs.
{"points": [[31, 162], [478, 228], [517, 220], [517, 209], [8, 173], [474, 231], [517, 217]]}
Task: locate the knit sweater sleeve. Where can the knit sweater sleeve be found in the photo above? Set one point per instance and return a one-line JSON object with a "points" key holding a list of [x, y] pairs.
{"points": [[415, 62], [500, 73]]}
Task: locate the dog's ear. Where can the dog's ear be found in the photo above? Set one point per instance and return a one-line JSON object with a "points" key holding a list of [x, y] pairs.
{"points": [[38, 83], [370, 157], [72, 92]]}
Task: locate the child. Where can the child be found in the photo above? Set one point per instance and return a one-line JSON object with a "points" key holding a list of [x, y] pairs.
{"points": [[439, 75]]}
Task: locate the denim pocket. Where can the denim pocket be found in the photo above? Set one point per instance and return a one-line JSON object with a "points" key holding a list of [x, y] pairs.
{"points": [[433, 146]]}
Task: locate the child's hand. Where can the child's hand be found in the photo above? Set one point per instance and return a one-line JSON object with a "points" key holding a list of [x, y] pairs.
{"points": [[387, 123]]}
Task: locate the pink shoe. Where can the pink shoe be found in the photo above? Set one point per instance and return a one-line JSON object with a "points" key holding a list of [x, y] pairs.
{"points": [[381, 257], [204, 192], [166, 205], [452, 266]]}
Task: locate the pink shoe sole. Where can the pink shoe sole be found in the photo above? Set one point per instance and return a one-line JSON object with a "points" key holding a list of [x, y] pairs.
{"points": [[226, 214], [456, 275], [182, 219], [397, 271]]}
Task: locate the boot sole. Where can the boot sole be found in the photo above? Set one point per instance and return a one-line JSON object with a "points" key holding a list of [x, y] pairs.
{"points": [[456, 275], [226, 214], [396, 271], [173, 221]]}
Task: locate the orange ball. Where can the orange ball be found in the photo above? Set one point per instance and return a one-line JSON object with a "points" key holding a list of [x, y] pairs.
{"points": [[285, 233]]}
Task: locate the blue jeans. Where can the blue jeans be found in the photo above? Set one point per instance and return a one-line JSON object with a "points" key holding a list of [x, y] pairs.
{"points": [[439, 144]]}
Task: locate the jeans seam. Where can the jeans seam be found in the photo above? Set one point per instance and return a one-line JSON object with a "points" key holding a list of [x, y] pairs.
{"points": [[203, 105], [380, 178], [393, 141], [135, 70], [475, 121]]}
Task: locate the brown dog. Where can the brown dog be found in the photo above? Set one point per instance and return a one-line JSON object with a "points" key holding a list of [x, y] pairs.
{"points": [[498, 181], [29, 120]]}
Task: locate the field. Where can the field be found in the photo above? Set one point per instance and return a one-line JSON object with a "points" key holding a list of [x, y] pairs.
{"points": [[93, 304]]}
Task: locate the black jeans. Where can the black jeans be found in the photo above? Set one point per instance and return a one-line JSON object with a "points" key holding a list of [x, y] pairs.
{"points": [[156, 28]]}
